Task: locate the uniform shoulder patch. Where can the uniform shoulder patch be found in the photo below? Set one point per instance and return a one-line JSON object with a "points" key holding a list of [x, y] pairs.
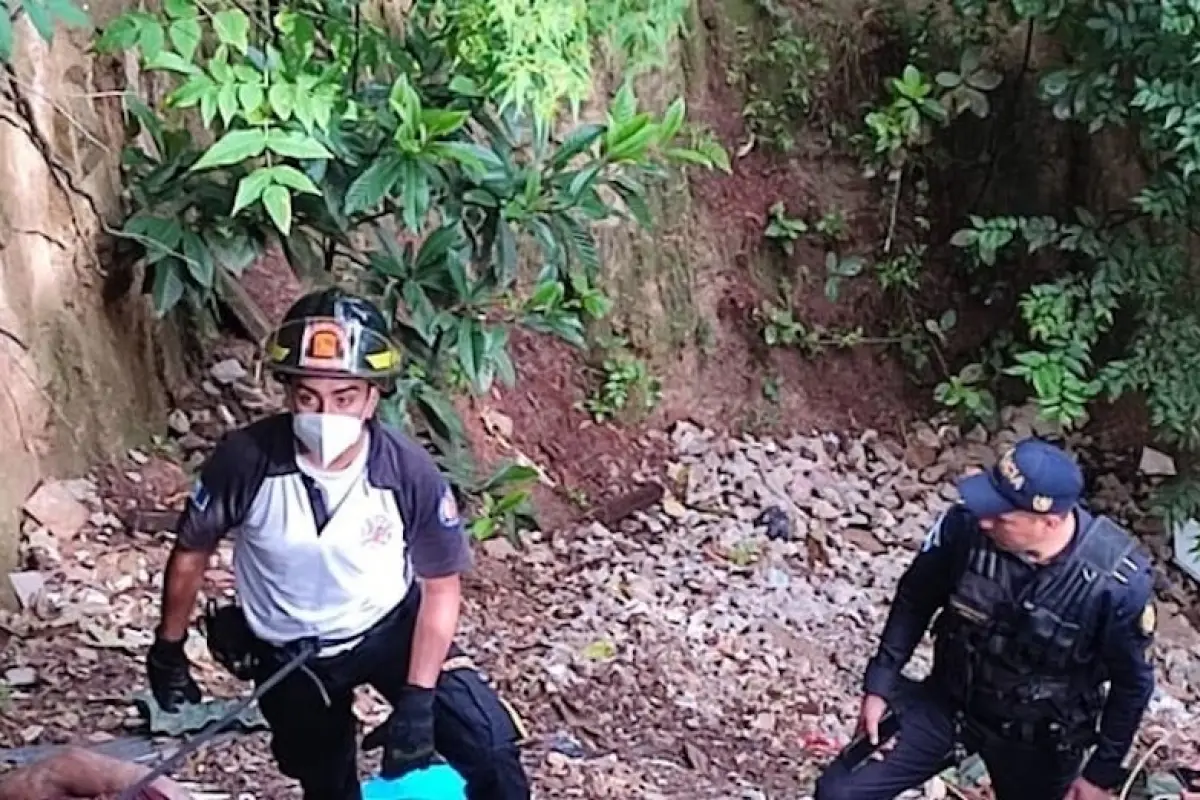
{"points": [[1148, 622], [200, 496], [448, 509], [933, 539]]}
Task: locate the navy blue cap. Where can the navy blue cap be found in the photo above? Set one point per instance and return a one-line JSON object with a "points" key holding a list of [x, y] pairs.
{"points": [[1033, 476]]}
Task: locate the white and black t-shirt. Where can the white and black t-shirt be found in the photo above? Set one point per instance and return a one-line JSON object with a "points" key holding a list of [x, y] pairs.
{"points": [[319, 553]]}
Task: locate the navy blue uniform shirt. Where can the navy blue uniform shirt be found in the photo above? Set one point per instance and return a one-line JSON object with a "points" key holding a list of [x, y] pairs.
{"points": [[928, 582]]}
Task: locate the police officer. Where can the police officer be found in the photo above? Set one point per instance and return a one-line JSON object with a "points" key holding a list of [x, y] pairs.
{"points": [[346, 535], [1039, 604]]}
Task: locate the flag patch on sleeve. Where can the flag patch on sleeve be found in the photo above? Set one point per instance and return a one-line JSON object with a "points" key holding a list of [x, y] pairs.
{"points": [[448, 509], [200, 496]]}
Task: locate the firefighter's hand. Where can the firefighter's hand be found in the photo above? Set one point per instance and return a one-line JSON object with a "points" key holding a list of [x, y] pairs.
{"points": [[407, 736], [170, 675], [869, 715]]}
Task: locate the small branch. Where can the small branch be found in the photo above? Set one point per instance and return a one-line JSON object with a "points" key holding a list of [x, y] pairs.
{"points": [[41, 234], [75, 123], [887, 242], [12, 337], [1141, 763]]}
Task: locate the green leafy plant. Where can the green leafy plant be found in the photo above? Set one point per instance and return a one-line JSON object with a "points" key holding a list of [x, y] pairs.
{"points": [[43, 15], [832, 225], [382, 153], [967, 394], [838, 269], [1130, 67], [968, 87], [505, 504], [782, 229], [625, 383], [777, 69]]}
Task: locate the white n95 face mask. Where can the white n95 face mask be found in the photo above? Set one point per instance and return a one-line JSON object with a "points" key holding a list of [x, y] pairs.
{"points": [[326, 436]]}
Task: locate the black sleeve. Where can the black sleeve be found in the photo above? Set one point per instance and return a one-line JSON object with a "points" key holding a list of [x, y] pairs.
{"points": [[1126, 641], [228, 482], [923, 588], [437, 539]]}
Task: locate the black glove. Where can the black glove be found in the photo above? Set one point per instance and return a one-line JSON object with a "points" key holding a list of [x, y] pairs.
{"points": [[407, 735], [170, 675]]}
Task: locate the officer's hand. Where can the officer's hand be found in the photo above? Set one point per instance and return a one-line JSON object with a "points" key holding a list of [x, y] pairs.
{"points": [[869, 714], [1082, 789], [407, 736], [170, 675]]}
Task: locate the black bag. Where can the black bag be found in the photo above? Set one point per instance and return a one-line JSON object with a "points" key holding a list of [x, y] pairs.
{"points": [[232, 644]]}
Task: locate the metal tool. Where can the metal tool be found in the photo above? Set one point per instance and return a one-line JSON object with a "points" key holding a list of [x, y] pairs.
{"points": [[164, 767]]}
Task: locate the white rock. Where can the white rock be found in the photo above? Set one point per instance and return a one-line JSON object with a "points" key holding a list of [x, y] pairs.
{"points": [[227, 371]]}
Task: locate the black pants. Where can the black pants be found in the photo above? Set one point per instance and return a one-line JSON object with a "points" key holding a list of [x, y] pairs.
{"points": [[925, 746], [316, 743]]}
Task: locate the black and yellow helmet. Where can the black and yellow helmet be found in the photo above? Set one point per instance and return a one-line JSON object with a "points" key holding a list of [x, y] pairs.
{"points": [[331, 333]]}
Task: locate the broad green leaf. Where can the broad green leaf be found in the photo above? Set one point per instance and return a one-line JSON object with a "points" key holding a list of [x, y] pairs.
{"points": [[468, 356], [303, 106], [278, 202], [476, 160], [250, 189], [462, 85], [633, 146], [584, 180], [251, 97], [233, 147], [293, 178], [167, 289], [68, 13], [439, 122], [159, 235], [39, 16], [180, 9], [227, 102], [436, 246], [120, 34], [199, 261], [294, 144], [185, 37], [374, 183], [151, 38], [547, 295], [439, 413], [233, 28], [414, 184], [672, 120], [576, 142], [282, 99], [172, 62], [624, 105], [208, 105], [404, 100], [636, 204], [218, 66], [565, 326], [505, 253], [234, 253]]}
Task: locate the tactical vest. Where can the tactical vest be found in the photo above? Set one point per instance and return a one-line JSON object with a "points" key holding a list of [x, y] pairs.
{"points": [[1029, 660]]}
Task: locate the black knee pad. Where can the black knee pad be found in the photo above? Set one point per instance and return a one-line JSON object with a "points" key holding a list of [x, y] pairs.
{"points": [[479, 734]]}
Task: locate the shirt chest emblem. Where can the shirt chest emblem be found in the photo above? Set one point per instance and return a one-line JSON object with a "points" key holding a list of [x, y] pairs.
{"points": [[378, 531]]}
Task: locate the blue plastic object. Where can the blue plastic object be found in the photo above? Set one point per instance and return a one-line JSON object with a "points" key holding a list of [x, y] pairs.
{"points": [[439, 782]]}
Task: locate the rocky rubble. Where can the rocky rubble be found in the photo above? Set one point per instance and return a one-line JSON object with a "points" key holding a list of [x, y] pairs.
{"points": [[711, 647]]}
